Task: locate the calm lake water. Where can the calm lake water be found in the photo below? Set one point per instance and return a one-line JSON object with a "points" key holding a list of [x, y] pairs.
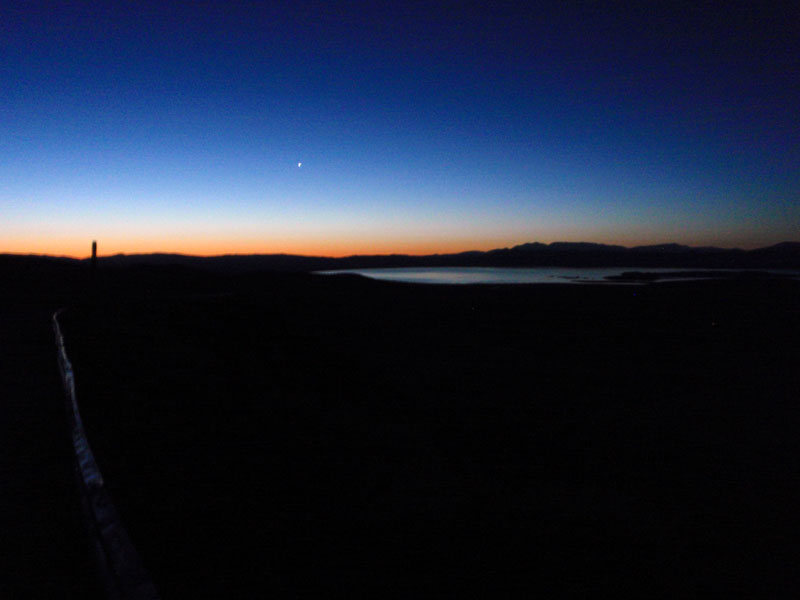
{"points": [[467, 275], [508, 275]]}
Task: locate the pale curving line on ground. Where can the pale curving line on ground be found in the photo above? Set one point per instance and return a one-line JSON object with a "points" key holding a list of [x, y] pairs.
{"points": [[120, 566]]}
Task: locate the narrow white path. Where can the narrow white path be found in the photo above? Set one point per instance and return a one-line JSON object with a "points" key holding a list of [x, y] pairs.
{"points": [[119, 563]]}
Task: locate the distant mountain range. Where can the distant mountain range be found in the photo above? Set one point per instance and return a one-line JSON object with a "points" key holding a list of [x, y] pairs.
{"points": [[565, 254]]}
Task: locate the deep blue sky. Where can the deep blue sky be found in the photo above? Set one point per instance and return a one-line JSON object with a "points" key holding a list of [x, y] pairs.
{"points": [[441, 126]]}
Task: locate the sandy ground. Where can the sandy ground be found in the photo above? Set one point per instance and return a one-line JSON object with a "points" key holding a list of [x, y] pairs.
{"points": [[304, 436], [44, 552]]}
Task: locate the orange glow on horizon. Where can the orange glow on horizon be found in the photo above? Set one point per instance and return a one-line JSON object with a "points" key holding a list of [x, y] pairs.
{"points": [[333, 247]]}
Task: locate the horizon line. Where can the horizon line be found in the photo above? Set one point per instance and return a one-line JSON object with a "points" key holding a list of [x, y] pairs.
{"points": [[356, 255]]}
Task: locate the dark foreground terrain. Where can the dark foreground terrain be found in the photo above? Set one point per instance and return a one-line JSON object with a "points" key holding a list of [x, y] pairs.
{"points": [[44, 549], [309, 436]]}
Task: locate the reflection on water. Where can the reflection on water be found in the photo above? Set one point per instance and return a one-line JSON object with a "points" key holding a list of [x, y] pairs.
{"points": [[507, 275], [466, 275]]}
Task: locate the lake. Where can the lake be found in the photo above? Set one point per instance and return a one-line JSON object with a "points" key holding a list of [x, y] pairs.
{"points": [[501, 275]]}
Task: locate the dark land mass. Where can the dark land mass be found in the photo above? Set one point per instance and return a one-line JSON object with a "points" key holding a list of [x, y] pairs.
{"points": [[785, 255], [561, 254], [640, 276], [297, 435], [45, 549]]}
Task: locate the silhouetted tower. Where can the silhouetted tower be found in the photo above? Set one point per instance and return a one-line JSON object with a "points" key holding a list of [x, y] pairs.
{"points": [[94, 256]]}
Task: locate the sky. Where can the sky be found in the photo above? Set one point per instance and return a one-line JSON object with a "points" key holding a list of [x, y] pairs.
{"points": [[343, 128]]}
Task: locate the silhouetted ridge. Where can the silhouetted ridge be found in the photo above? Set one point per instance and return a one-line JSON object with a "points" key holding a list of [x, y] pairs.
{"points": [[533, 254], [584, 247], [663, 248]]}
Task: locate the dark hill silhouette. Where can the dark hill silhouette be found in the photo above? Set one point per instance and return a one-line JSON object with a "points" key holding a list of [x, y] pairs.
{"points": [[566, 254], [563, 254], [583, 247], [663, 248]]}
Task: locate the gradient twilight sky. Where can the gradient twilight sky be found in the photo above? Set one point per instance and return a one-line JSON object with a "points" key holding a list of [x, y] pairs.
{"points": [[421, 127]]}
